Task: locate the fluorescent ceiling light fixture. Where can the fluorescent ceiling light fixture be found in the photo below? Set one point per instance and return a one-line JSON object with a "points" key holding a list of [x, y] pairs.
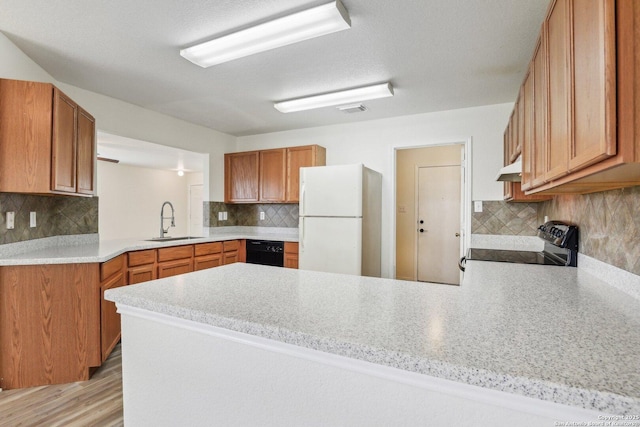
{"points": [[350, 96], [315, 22]]}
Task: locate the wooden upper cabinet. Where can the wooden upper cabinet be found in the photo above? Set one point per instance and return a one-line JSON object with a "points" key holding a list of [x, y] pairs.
{"points": [[241, 176], [298, 157], [86, 153], [585, 129], [272, 175], [560, 137], [594, 82], [269, 176], [47, 142], [63, 145], [527, 137], [538, 154]]}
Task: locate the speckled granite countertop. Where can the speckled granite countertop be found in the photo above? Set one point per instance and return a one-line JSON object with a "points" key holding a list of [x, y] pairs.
{"points": [[101, 251], [551, 333]]}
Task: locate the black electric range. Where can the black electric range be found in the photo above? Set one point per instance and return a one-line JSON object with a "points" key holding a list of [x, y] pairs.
{"points": [[560, 248]]}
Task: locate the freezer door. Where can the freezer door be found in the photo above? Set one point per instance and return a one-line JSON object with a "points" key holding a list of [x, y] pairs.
{"points": [[331, 191], [332, 245]]}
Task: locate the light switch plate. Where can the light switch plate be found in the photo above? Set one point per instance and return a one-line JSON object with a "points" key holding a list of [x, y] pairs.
{"points": [[220, 216], [11, 218], [477, 206], [224, 216], [32, 219], [261, 216]]}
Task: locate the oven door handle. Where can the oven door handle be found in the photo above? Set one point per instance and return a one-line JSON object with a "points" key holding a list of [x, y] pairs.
{"points": [[462, 263]]}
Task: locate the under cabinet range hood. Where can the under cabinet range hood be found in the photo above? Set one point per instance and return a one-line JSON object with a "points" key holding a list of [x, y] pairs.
{"points": [[512, 172]]}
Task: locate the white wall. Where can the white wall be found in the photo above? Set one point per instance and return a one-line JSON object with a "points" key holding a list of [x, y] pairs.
{"points": [[124, 119], [131, 198], [373, 143]]}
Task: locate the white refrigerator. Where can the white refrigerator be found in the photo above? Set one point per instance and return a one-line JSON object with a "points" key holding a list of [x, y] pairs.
{"points": [[340, 219]]}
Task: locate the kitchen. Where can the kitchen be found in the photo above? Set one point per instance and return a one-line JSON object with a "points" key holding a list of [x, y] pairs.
{"points": [[372, 143]]}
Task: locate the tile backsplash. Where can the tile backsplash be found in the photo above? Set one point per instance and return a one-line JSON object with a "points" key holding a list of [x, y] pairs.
{"points": [[609, 224], [276, 215], [504, 218], [55, 216]]}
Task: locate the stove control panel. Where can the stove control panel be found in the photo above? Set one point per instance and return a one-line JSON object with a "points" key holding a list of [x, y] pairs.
{"points": [[559, 234]]}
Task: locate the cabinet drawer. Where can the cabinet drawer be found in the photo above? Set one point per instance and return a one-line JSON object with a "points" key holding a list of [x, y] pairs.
{"points": [[111, 267], [231, 245], [207, 261], [208, 248], [173, 268], [290, 247], [175, 252], [231, 257], [142, 257]]}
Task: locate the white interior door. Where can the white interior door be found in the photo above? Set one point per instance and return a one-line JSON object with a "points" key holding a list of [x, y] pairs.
{"points": [[438, 228], [195, 210]]}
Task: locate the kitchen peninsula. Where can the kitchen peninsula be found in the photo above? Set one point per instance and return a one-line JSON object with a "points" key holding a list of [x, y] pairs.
{"points": [[515, 344]]}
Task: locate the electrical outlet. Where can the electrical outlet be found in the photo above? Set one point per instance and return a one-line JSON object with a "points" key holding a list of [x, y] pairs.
{"points": [[32, 219], [261, 216], [224, 217], [477, 206], [220, 216], [11, 218]]}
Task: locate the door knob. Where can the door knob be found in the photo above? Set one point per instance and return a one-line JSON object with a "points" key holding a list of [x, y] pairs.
{"points": [[422, 230], [457, 234]]}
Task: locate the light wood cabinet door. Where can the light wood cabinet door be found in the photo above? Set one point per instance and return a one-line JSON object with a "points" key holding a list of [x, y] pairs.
{"points": [[142, 273], [207, 261], [560, 90], [109, 317], [241, 177], [298, 157], [290, 254], [86, 153], [594, 83], [63, 148], [272, 175], [231, 257], [527, 141], [173, 268], [538, 153]]}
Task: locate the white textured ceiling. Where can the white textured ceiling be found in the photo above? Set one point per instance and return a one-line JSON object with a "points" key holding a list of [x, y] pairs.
{"points": [[438, 54]]}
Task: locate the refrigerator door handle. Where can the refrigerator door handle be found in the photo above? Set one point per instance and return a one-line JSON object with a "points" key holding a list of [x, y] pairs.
{"points": [[301, 245], [302, 191]]}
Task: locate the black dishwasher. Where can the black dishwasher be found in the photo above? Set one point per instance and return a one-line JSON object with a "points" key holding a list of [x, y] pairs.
{"points": [[265, 252]]}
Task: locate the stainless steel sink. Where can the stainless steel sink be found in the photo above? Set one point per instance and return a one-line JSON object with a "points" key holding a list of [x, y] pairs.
{"points": [[169, 238]]}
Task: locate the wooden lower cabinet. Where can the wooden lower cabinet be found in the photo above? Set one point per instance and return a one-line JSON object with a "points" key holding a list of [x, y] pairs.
{"points": [[109, 317], [173, 268], [290, 254], [175, 260], [207, 261], [234, 251], [142, 266], [49, 324]]}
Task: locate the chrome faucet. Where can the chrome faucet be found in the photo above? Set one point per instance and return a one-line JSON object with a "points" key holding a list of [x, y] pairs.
{"points": [[162, 218]]}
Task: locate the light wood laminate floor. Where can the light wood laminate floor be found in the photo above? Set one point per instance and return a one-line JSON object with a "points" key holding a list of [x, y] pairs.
{"points": [[97, 402]]}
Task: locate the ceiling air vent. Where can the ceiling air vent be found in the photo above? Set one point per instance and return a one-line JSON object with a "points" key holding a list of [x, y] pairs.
{"points": [[353, 108]]}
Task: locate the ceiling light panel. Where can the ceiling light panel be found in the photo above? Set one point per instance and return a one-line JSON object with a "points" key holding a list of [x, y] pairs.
{"points": [[350, 96], [314, 22]]}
